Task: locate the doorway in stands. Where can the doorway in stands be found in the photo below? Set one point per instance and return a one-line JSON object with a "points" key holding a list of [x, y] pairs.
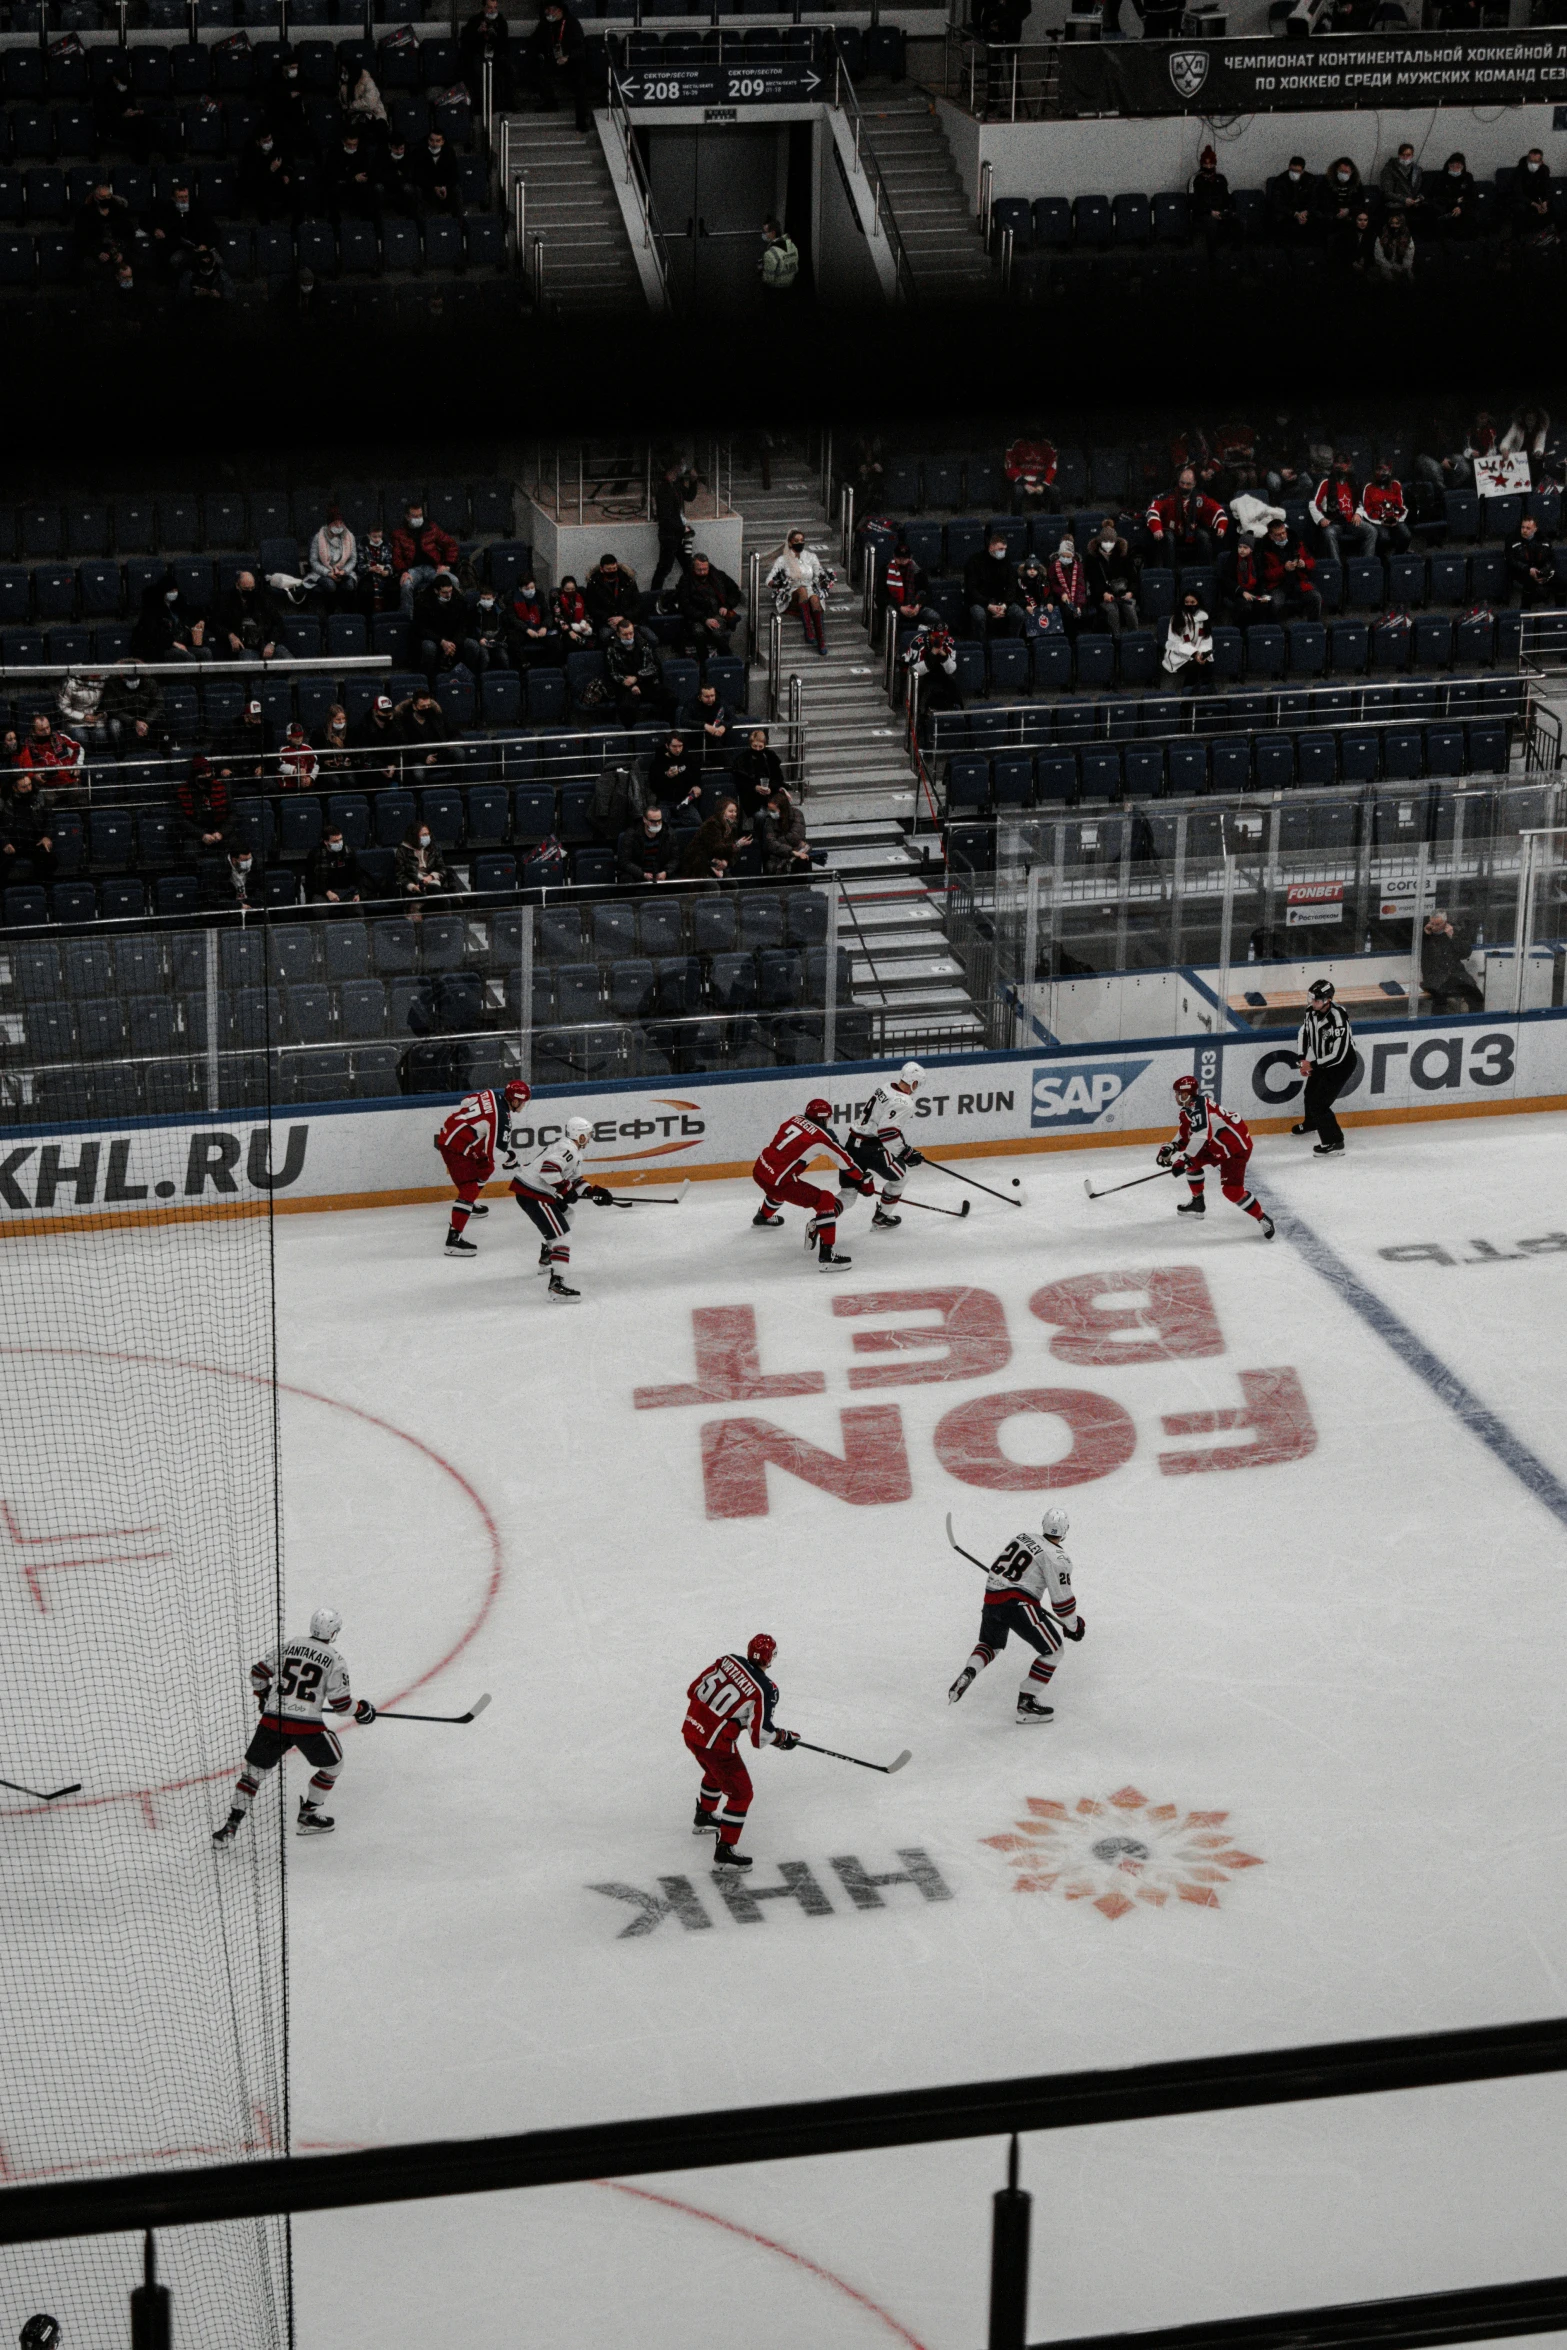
{"points": [[712, 188]]}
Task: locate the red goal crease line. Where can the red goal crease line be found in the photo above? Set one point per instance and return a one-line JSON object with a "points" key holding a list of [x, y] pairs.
{"points": [[32, 1227]]}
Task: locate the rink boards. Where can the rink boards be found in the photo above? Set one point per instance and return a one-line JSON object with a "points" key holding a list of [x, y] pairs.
{"points": [[368, 1154]]}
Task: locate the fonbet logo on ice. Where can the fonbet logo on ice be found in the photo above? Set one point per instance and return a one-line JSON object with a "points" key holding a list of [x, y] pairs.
{"points": [[1081, 1096], [1120, 1850]]}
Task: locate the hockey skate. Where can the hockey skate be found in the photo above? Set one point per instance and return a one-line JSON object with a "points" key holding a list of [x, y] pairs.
{"points": [[766, 1215], [479, 1208], [1191, 1207], [829, 1261], [1328, 1150], [962, 1685], [1267, 1227], [312, 1822], [726, 1857], [229, 1829], [1030, 1710], [456, 1246], [558, 1289], [1303, 1128], [882, 1222], [705, 1823]]}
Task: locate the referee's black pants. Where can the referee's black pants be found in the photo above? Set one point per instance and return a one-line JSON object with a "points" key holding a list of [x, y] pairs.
{"points": [[1323, 1087]]}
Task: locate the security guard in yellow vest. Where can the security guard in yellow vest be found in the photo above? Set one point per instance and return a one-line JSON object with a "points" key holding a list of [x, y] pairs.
{"points": [[780, 259]]}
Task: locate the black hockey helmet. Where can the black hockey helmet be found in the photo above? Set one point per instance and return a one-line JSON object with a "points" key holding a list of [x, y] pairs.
{"points": [[1321, 991], [40, 2333]]}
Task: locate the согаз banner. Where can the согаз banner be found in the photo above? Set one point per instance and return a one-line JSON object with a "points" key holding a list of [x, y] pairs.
{"points": [[1263, 77]]}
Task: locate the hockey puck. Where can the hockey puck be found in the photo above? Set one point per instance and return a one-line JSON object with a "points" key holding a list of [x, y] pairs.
{"points": [[1016, 1183]]}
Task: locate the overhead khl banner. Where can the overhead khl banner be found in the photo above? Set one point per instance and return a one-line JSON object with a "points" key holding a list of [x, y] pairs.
{"points": [[1263, 77]]}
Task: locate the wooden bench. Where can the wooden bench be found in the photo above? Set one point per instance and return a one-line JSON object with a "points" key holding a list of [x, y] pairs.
{"points": [[1286, 1007]]}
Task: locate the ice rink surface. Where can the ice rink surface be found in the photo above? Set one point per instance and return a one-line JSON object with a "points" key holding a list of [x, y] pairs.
{"points": [[1304, 1780]]}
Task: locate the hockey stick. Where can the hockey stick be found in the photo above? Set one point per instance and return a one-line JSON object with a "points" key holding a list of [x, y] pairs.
{"points": [[472, 1714], [889, 1768], [962, 1553], [657, 1199], [1130, 1186], [37, 1793], [943, 1169], [935, 1211]]}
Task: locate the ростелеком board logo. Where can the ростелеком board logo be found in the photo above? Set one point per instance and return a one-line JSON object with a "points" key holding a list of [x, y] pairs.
{"points": [[1188, 71], [1082, 1096]]}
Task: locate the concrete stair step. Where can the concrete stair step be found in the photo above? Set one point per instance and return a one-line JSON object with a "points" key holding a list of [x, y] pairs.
{"points": [[937, 997], [826, 809], [899, 975]]}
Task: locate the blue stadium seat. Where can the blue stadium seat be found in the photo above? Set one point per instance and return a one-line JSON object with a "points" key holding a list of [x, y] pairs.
{"points": [[1094, 659], [1445, 750], [1403, 753], [1172, 217], [1052, 221], [394, 812], [1449, 579], [1052, 663], [1092, 220], [1391, 646], [1487, 745], [1474, 641], [1274, 761], [1133, 217], [1365, 588], [1137, 657], [968, 782], [1012, 779], [1055, 776], [1230, 765], [1143, 767], [533, 812], [1316, 758], [495, 869], [350, 812], [1266, 649], [1406, 579], [1433, 646], [1100, 774], [1463, 515], [1009, 665]]}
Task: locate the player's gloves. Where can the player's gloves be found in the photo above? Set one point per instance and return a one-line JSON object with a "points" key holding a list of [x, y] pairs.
{"points": [[914, 1158], [364, 1711], [865, 1185], [1166, 1153], [1081, 1628], [599, 1196], [786, 1739]]}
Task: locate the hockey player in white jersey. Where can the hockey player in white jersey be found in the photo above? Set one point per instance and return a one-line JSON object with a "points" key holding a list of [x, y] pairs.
{"points": [[1016, 1587], [547, 1183], [297, 1688], [878, 1145]]}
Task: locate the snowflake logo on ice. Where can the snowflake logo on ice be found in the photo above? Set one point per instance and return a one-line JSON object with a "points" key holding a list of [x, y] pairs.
{"points": [[1117, 1851]]}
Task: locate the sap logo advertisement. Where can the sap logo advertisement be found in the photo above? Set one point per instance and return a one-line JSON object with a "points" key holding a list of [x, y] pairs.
{"points": [[1083, 1096]]}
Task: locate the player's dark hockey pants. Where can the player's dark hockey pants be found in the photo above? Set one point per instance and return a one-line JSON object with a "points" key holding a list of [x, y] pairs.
{"points": [[267, 1749], [1008, 1612], [552, 1219], [726, 1786], [1323, 1087], [873, 1159]]}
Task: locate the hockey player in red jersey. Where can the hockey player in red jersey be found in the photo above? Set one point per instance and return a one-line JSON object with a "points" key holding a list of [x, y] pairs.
{"points": [[778, 1173], [734, 1694], [1210, 1137], [468, 1142]]}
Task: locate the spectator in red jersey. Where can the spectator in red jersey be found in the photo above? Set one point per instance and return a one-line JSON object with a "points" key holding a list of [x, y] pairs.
{"points": [[1248, 600], [535, 638], [296, 760], [730, 1698], [46, 749], [1335, 506], [206, 817], [26, 832], [1030, 466], [1382, 506], [902, 584], [1284, 569], [420, 549], [1186, 525], [573, 620]]}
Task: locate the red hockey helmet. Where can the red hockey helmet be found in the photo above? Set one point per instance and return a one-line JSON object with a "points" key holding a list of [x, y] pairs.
{"points": [[818, 1108], [761, 1649], [1185, 1089], [518, 1094]]}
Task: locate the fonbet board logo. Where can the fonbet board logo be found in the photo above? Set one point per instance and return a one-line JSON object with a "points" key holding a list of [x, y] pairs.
{"points": [[1082, 1096], [1188, 71]]}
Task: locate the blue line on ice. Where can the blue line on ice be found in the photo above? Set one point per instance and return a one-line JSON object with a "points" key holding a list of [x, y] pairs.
{"points": [[1442, 1380]]}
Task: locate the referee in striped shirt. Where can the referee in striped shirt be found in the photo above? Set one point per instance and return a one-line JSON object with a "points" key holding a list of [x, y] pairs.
{"points": [[1327, 1056]]}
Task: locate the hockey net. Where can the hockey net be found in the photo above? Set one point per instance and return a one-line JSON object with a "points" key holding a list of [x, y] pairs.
{"points": [[141, 1573]]}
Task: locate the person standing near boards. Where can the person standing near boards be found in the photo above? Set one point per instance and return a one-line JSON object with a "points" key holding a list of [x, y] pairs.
{"points": [[1327, 1058]]}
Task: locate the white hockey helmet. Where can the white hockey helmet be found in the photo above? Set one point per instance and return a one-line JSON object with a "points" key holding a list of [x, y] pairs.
{"points": [[911, 1075], [325, 1625], [1054, 1524], [578, 1131]]}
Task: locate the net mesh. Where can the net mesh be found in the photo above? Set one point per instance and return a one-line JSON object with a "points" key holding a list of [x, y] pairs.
{"points": [[141, 1574]]}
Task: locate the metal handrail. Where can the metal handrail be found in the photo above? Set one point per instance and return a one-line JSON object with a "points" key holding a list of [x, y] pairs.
{"points": [[971, 56], [652, 234], [987, 198], [774, 663], [843, 97], [868, 591], [753, 609]]}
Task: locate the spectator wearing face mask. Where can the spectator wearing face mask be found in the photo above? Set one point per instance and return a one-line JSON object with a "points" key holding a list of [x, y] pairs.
{"points": [[635, 678], [206, 810], [1531, 566], [237, 881], [248, 618], [1214, 216], [610, 591], [1335, 509], [334, 558], [178, 225], [555, 52], [332, 871], [26, 832], [268, 181], [1188, 644], [167, 627], [535, 638], [1402, 183], [1292, 205], [1529, 201], [800, 580], [1393, 252], [1339, 195], [46, 751], [673, 778], [1067, 583], [378, 738], [337, 751], [379, 588], [1111, 572], [420, 873], [422, 723], [1248, 600], [131, 705], [297, 763], [440, 627], [646, 851], [990, 584], [1451, 197], [573, 621], [1284, 569], [491, 632], [420, 549], [1382, 507]]}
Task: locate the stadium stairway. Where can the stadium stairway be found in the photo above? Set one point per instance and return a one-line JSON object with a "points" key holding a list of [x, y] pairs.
{"points": [[947, 257], [571, 204], [860, 786]]}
